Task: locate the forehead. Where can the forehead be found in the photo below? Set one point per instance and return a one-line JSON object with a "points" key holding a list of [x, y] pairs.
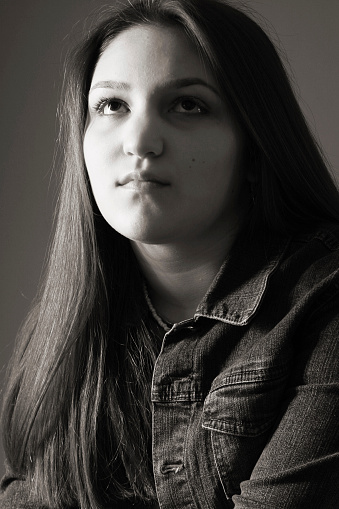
{"points": [[150, 53]]}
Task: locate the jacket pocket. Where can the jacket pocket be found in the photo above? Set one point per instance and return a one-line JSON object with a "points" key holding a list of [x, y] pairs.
{"points": [[245, 402]]}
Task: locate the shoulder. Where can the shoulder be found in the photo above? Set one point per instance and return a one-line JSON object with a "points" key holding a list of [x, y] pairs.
{"points": [[319, 241], [323, 239], [311, 260], [308, 285], [300, 305], [15, 493]]}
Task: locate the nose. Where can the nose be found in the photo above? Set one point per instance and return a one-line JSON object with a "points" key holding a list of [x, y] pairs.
{"points": [[143, 137]]}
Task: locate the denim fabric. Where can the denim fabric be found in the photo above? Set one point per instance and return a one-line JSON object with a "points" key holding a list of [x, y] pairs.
{"points": [[245, 394]]}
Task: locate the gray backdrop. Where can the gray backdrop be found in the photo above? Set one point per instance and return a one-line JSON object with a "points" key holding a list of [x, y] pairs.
{"points": [[34, 36]]}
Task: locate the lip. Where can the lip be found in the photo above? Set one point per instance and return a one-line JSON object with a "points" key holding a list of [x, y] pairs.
{"points": [[140, 177]]}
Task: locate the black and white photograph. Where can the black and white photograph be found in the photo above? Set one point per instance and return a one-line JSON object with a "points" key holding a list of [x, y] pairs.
{"points": [[169, 216]]}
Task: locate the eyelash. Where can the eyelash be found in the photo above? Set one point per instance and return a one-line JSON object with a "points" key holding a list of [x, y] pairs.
{"points": [[198, 103], [104, 101]]}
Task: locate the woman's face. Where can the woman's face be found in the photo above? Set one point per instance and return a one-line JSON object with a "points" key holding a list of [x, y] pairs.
{"points": [[162, 150]]}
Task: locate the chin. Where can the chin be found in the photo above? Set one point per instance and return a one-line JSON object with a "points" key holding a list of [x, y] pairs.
{"points": [[145, 233]]}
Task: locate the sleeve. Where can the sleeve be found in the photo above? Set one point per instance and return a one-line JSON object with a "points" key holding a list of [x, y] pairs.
{"points": [[15, 494], [299, 467]]}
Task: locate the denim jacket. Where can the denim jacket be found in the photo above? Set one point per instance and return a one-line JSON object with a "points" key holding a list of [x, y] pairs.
{"points": [[246, 393]]}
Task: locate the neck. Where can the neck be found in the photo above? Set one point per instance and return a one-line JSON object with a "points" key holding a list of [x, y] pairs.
{"points": [[178, 276]]}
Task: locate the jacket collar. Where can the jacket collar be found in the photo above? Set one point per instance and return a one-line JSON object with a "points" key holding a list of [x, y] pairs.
{"points": [[237, 290]]}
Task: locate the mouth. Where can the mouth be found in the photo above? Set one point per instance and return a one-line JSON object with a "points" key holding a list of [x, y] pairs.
{"points": [[139, 179]]}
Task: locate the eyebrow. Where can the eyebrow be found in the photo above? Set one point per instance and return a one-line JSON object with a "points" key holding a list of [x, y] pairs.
{"points": [[176, 83]]}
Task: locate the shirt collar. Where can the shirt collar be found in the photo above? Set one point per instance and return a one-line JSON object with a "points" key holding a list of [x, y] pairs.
{"points": [[237, 290]]}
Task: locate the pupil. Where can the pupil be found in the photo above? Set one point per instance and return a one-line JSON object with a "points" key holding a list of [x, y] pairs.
{"points": [[114, 105], [188, 105]]}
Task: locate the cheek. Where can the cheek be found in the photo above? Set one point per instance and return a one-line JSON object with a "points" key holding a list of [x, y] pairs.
{"points": [[96, 167], [91, 151], [214, 164], [97, 155], [99, 143]]}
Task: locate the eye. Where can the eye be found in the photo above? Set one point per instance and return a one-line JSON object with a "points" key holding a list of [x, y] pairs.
{"points": [[189, 105], [110, 107]]}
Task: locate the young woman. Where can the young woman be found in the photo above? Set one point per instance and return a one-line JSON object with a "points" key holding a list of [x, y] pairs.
{"points": [[182, 352]]}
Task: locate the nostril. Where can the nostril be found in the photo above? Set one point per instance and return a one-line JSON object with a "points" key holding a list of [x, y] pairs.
{"points": [[166, 468]]}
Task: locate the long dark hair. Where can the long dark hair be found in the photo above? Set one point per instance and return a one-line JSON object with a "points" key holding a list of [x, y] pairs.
{"points": [[77, 410]]}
